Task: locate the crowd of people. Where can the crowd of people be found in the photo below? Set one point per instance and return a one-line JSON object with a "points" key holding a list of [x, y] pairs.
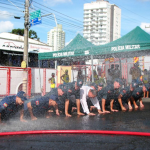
{"points": [[86, 100]]}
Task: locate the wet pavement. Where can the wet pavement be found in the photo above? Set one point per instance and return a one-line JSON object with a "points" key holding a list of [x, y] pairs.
{"points": [[135, 120]]}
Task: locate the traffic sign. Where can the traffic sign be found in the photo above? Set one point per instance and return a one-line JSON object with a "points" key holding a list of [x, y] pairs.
{"points": [[35, 14], [35, 21], [35, 18]]}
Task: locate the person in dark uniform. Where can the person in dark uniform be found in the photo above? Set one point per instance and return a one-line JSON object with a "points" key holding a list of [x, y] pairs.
{"points": [[137, 95], [117, 73], [106, 97], [73, 96], [110, 75], [41, 105], [147, 85], [10, 105], [124, 97], [136, 73]]}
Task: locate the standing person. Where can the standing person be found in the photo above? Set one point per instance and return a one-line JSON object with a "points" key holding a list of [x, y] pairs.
{"points": [[80, 76], [52, 81], [107, 95], [117, 73], [65, 77], [145, 80], [102, 78], [87, 92], [95, 76], [136, 73], [10, 105], [110, 75]]}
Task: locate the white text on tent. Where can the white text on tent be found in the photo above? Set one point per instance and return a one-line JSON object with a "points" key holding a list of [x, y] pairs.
{"points": [[118, 48]]}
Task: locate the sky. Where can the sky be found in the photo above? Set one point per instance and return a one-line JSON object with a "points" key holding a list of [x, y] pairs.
{"points": [[69, 13]]}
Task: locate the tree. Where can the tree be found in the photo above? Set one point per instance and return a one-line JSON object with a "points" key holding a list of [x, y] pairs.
{"points": [[32, 34]]}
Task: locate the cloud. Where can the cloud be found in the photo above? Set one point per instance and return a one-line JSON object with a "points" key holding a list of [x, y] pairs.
{"points": [[6, 26], [55, 2], [4, 15], [145, 27]]}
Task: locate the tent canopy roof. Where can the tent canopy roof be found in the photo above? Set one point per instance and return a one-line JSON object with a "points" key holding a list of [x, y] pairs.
{"points": [[133, 44], [79, 42], [130, 45], [79, 46]]}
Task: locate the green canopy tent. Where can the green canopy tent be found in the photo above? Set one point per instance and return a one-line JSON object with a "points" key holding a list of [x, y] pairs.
{"points": [[79, 47], [133, 44]]}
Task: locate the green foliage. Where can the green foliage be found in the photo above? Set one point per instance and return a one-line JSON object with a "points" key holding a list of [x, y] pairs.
{"points": [[32, 34]]}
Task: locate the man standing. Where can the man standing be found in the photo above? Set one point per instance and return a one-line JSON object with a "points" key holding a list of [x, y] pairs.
{"points": [[65, 77], [52, 81], [10, 105], [136, 73]]}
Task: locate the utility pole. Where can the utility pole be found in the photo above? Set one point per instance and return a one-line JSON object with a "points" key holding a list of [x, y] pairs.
{"points": [[25, 54], [26, 32]]}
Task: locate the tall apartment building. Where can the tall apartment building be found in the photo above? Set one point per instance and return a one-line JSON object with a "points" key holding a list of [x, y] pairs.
{"points": [[102, 22], [56, 38]]}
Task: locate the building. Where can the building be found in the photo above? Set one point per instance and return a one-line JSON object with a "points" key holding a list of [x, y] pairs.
{"points": [[56, 38], [102, 22], [12, 48]]}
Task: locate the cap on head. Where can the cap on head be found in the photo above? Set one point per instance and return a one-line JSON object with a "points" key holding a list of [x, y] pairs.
{"points": [[21, 95], [100, 84], [95, 86], [119, 80], [62, 87], [79, 83]]}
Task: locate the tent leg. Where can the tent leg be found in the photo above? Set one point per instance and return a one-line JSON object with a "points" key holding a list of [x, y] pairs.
{"points": [[56, 72], [92, 67], [40, 77]]}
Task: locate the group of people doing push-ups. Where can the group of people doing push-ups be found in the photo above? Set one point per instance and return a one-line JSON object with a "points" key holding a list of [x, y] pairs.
{"points": [[85, 99]]}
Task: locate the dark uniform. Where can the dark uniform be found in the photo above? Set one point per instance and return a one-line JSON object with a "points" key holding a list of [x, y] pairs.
{"points": [[117, 72], [148, 88], [72, 94], [8, 106], [137, 93], [126, 94], [60, 100], [106, 93], [40, 106]]}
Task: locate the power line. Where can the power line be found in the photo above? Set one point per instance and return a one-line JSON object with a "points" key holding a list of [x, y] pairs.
{"points": [[58, 12], [130, 10]]}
